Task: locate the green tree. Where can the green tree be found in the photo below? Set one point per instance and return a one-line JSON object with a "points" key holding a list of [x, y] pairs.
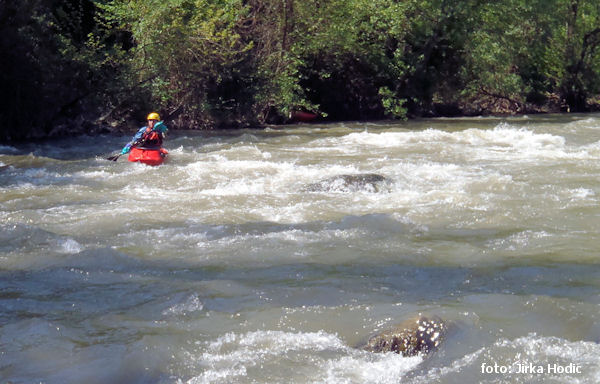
{"points": [[216, 63], [185, 56], [46, 83], [350, 56], [572, 58], [504, 43], [525, 51], [62, 63]]}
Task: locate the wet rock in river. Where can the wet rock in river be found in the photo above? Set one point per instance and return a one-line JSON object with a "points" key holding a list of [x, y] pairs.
{"points": [[363, 182], [417, 336]]}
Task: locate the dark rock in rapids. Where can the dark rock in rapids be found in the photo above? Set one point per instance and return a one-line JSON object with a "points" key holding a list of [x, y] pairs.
{"points": [[416, 336], [366, 182]]}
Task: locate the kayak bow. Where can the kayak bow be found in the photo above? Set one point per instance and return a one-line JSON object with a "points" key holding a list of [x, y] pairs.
{"points": [[149, 156]]}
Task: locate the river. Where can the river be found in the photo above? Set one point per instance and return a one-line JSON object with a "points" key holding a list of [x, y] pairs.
{"points": [[223, 265]]}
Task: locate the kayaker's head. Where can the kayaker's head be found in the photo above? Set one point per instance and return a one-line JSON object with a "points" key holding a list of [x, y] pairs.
{"points": [[152, 118]]}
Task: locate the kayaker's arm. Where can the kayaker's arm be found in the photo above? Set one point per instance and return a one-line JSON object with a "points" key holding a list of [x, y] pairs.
{"points": [[161, 128], [135, 138]]}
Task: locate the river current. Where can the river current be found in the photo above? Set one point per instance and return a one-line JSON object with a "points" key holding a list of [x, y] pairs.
{"points": [[223, 265]]}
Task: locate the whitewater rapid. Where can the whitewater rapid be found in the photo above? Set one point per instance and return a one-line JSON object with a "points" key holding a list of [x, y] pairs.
{"points": [[220, 266]]}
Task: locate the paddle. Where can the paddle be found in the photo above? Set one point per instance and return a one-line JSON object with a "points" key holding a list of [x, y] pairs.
{"points": [[114, 158], [136, 143]]}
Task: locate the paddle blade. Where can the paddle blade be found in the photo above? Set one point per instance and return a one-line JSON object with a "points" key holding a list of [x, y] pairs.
{"points": [[113, 158]]}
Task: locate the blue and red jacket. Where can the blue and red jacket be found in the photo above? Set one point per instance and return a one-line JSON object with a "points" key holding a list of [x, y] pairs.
{"points": [[147, 137]]}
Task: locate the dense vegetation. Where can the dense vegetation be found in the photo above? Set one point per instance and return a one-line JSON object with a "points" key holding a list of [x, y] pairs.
{"points": [[74, 65]]}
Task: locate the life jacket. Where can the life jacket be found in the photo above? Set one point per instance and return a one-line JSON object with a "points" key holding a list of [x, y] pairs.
{"points": [[151, 139]]}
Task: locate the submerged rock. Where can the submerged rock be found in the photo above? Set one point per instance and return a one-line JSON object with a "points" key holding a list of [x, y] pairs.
{"points": [[365, 182], [416, 336]]}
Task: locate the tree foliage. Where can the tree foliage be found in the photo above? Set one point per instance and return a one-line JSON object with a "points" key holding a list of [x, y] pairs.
{"points": [[528, 51], [224, 63]]}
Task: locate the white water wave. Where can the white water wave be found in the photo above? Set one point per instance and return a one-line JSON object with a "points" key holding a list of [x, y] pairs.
{"points": [[553, 359], [369, 369], [505, 141], [285, 357], [227, 178]]}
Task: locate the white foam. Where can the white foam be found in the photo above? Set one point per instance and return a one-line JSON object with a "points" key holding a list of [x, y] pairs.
{"points": [[519, 241], [506, 135], [369, 368], [386, 139], [539, 349], [94, 174], [581, 193], [41, 176], [190, 304], [252, 177], [232, 356], [288, 240], [505, 141], [69, 246], [523, 351], [435, 374]]}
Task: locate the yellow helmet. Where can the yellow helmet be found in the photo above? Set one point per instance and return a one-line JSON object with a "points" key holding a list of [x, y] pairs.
{"points": [[153, 116]]}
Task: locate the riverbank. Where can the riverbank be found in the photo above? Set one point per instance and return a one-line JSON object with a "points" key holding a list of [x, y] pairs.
{"points": [[128, 121], [99, 67]]}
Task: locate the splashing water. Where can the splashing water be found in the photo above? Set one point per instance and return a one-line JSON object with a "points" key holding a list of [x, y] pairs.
{"points": [[224, 266]]}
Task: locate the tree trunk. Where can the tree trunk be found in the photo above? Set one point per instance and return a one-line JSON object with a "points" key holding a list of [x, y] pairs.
{"points": [[572, 90], [288, 24]]}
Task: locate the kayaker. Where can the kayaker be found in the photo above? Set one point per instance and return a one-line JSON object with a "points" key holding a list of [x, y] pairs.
{"points": [[149, 136]]}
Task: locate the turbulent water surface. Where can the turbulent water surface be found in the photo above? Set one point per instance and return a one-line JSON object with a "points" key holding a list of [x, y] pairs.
{"points": [[227, 265]]}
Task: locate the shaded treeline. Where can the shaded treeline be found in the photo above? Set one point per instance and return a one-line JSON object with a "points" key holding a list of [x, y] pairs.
{"points": [[79, 65]]}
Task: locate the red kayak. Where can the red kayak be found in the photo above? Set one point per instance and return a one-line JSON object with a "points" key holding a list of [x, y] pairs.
{"points": [[150, 156], [302, 116]]}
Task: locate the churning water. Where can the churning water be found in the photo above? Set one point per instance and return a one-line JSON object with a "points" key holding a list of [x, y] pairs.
{"points": [[258, 256]]}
